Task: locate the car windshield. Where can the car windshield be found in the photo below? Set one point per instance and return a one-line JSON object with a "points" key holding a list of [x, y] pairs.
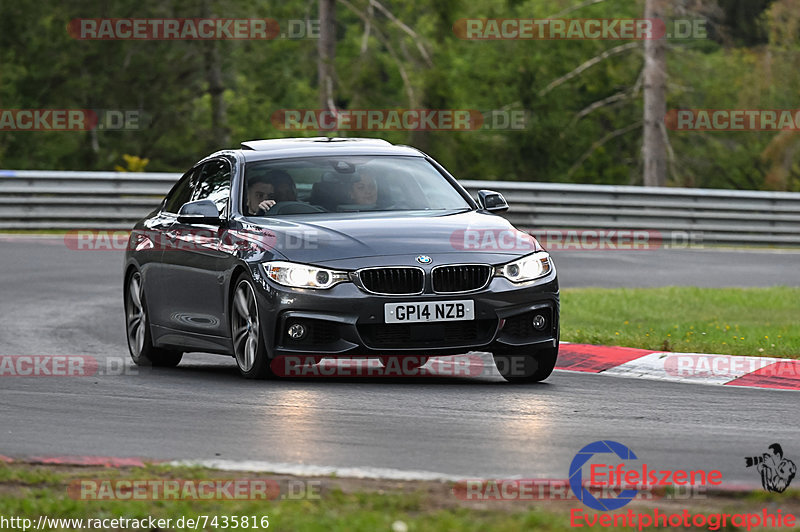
{"points": [[346, 184]]}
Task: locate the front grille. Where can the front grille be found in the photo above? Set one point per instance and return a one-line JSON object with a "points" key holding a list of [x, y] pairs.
{"points": [[441, 334], [393, 280], [460, 278]]}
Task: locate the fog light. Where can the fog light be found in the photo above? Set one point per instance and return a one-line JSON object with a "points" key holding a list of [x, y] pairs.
{"points": [[296, 331], [539, 322]]}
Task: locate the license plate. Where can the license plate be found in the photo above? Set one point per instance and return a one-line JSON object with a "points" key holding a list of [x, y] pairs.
{"points": [[429, 311]]}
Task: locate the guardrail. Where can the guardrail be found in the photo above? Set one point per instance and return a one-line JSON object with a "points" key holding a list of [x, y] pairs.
{"points": [[111, 200]]}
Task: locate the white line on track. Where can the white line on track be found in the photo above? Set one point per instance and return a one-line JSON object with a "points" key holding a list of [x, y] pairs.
{"points": [[309, 470]]}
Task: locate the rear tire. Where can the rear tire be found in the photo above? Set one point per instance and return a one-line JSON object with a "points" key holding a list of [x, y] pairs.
{"points": [[137, 322], [520, 366], [249, 348]]}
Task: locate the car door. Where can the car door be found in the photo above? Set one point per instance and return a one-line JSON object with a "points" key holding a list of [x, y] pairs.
{"points": [[150, 244], [194, 265]]}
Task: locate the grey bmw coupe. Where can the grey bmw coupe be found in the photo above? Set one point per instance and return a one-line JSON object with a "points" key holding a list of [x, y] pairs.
{"points": [[336, 247]]}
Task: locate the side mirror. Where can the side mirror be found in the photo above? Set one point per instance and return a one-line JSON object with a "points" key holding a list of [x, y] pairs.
{"points": [[492, 201], [199, 212]]}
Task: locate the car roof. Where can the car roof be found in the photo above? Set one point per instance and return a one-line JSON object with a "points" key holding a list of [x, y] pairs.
{"points": [[259, 150]]}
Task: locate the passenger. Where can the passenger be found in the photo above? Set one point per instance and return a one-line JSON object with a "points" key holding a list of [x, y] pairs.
{"points": [[285, 187], [364, 190]]}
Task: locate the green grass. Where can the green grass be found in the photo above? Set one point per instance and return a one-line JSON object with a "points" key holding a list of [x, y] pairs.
{"points": [[338, 511], [28, 491], [734, 321]]}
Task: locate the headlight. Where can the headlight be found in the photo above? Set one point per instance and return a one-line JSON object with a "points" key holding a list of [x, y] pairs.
{"points": [[303, 276], [527, 268]]}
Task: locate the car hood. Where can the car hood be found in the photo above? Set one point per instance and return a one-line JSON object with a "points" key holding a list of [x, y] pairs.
{"points": [[340, 240]]}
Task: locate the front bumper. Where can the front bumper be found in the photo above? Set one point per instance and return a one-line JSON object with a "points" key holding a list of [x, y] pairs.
{"points": [[345, 321]]}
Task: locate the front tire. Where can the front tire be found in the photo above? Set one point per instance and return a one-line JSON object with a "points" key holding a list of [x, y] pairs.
{"points": [[140, 342], [248, 341], [522, 365]]}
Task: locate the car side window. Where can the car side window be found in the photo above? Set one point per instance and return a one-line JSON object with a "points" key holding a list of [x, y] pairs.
{"points": [[214, 183], [181, 192]]}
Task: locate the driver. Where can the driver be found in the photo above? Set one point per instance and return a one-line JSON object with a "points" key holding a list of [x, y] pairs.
{"points": [[260, 195], [267, 189]]}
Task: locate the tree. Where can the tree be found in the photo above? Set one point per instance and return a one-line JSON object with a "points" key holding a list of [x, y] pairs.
{"points": [[220, 133], [326, 47], [654, 146]]}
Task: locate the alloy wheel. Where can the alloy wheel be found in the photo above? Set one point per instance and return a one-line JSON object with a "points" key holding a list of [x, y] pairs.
{"points": [[135, 316], [245, 326]]}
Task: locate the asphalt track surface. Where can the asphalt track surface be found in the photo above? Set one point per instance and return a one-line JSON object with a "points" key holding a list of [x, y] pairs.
{"points": [[55, 301]]}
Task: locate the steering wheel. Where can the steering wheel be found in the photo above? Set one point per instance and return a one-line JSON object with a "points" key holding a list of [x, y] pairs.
{"points": [[291, 207]]}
